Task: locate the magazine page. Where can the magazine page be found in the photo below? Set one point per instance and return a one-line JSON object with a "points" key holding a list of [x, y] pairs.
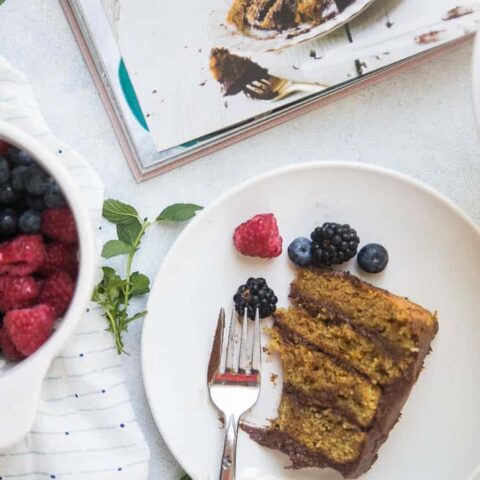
{"points": [[197, 72]]}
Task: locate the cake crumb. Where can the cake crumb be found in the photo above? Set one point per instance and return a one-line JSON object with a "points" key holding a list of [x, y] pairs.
{"points": [[273, 379]]}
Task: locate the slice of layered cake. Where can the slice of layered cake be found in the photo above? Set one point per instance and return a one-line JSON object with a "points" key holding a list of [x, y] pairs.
{"points": [[351, 354], [283, 14]]}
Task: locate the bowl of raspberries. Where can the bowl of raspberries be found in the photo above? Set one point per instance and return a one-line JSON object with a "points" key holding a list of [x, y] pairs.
{"points": [[47, 272]]}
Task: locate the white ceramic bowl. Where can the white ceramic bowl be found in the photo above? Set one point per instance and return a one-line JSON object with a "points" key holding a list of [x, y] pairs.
{"points": [[20, 383]]}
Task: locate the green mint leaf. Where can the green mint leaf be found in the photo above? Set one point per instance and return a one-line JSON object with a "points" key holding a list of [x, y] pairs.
{"points": [[110, 277], [118, 212], [185, 477], [2, 1], [139, 283], [98, 295], [178, 212], [128, 233], [114, 248], [137, 316]]}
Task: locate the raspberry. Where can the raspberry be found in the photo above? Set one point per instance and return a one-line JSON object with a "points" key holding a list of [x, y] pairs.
{"points": [[8, 348], [22, 256], [4, 147], [259, 237], [57, 291], [59, 224], [29, 328], [59, 256], [17, 292]]}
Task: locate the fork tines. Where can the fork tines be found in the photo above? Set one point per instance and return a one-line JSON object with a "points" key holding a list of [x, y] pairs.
{"points": [[261, 89], [246, 358]]}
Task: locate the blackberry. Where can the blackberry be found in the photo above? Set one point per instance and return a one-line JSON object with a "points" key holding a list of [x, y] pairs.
{"points": [[333, 243], [255, 294]]}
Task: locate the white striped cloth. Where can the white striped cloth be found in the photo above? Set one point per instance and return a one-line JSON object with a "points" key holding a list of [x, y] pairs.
{"points": [[85, 428]]}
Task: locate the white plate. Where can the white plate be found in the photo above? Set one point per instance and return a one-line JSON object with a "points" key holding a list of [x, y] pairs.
{"points": [[253, 40], [434, 260]]}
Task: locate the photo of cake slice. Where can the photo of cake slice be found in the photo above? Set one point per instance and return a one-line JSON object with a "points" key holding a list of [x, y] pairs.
{"points": [[282, 14], [235, 73], [351, 354]]}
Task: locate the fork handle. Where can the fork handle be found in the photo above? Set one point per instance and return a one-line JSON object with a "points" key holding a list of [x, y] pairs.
{"points": [[229, 456]]}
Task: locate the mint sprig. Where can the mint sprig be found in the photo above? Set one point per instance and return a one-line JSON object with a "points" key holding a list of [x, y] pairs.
{"points": [[113, 293]]}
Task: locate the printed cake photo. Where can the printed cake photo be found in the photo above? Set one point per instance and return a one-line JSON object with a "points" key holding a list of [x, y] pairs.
{"points": [[283, 14], [351, 354]]}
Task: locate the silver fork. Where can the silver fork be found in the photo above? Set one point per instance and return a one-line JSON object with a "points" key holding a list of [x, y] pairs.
{"points": [[234, 380], [275, 88]]}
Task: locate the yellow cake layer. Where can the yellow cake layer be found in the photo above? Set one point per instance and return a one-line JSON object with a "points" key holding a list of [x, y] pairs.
{"points": [[395, 320], [320, 430], [325, 383], [342, 341]]}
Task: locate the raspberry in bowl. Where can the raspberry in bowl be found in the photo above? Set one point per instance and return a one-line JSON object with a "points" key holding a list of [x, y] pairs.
{"points": [[47, 270]]}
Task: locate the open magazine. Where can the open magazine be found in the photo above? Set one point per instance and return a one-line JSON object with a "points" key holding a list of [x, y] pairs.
{"points": [[181, 79]]}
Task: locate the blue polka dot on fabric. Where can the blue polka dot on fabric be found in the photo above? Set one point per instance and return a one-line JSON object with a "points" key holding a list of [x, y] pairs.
{"points": [[103, 390], [53, 476], [119, 469], [81, 355], [122, 425], [67, 433], [76, 395]]}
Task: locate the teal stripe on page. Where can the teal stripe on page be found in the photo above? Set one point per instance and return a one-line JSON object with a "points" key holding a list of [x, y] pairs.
{"points": [[130, 95]]}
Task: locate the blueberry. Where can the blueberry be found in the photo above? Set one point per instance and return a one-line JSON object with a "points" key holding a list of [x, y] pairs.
{"points": [[30, 221], [53, 197], [35, 202], [19, 157], [8, 196], [36, 180], [4, 170], [300, 251], [17, 178], [372, 258], [8, 223]]}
